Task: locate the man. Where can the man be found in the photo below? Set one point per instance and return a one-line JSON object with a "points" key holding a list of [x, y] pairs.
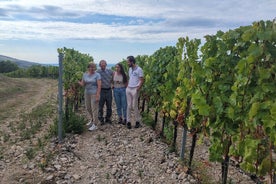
{"points": [[136, 79], [106, 93]]}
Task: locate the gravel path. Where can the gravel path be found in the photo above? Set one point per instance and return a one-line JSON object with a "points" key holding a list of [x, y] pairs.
{"points": [[115, 154]]}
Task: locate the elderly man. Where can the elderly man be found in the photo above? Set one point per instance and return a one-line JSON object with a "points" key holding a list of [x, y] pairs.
{"points": [[106, 92]]}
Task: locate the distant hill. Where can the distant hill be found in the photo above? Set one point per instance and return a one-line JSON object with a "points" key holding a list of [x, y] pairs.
{"points": [[20, 63]]}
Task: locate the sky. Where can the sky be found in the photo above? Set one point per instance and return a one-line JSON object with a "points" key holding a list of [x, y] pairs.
{"points": [[33, 30]]}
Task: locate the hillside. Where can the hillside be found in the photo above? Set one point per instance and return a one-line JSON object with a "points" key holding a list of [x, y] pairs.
{"points": [[20, 63]]}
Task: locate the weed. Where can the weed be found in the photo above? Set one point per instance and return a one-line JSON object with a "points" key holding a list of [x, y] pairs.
{"points": [[168, 132], [22, 125], [107, 176], [75, 123], [40, 143], [6, 137], [148, 120], [30, 153], [140, 173], [11, 125], [26, 134], [100, 138]]}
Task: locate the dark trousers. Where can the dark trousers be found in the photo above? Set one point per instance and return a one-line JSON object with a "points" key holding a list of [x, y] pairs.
{"points": [[105, 98]]}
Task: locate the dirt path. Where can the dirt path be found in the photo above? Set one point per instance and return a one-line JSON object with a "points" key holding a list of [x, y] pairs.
{"points": [[18, 98]]}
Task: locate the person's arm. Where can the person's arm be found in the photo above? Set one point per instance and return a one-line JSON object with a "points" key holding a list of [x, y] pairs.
{"points": [[99, 84], [112, 80], [81, 82], [141, 81]]}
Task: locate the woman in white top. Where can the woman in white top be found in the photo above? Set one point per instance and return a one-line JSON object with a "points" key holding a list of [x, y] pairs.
{"points": [[119, 91]]}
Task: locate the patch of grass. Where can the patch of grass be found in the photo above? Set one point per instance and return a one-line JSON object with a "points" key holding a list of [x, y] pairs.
{"points": [[100, 138], [148, 120], [75, 124], [107, 176], [168, 133], [140, 173], [31, 123], [25, 134], [6, 136], [21, 125], [30, 153], [44, 162], [12, 127], [1, 153]]}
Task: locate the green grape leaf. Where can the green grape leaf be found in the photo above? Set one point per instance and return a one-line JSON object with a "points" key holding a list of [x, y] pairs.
{"points": [[254, 110]]}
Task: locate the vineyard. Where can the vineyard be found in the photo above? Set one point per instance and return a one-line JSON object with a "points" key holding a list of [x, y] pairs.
{"points": [[222, 89]]}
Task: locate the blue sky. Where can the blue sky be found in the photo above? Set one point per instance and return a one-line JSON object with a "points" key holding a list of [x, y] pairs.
{"points": [[32, 30]]}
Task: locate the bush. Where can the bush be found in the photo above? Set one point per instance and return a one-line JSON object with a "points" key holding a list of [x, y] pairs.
{"points": [[75, 124]]}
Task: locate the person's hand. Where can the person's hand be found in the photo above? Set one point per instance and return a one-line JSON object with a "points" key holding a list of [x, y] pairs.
{"points": [[97, 98]]}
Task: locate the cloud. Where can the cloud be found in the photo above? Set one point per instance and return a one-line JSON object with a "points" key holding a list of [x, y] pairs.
{"points": [[145, 21]]}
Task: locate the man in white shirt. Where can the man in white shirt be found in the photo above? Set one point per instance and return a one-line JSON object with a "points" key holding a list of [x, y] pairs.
{"points": [[136, 79]]}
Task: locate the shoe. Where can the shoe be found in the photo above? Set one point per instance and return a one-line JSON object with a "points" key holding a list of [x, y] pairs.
{"points": [[107, 120], [124, 122], [128, 125], [120, 121], [93, 127], [102, 123], [89, 123], [137, 125]]}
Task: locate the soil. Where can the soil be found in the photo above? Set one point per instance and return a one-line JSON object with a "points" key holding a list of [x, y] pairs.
{"points": [[110, 154]]}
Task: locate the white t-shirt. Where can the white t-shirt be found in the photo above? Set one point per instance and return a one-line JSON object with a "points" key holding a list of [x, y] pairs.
{"points": [[134, 76]]}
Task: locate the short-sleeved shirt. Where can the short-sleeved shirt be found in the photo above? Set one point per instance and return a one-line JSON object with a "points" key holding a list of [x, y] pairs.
{"points": [[106, 77], [90, 81], [118, 81], [134, 76]]}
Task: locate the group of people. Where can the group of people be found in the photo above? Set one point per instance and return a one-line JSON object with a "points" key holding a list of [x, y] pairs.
{"points": [[98, 86]]}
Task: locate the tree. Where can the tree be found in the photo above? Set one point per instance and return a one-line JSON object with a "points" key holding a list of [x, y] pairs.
{"points": [[8, 66]]}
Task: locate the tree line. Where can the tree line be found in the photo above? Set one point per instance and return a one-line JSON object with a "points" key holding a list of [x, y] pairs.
{"points": [[11, 69]]}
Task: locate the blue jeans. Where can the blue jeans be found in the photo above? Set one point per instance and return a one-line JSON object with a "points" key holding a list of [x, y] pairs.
{"points": [[120, 100]]}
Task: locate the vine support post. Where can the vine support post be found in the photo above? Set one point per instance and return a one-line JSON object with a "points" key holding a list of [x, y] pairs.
{"points": [[185, 129], [60, 97], [175, 134], [225, 161], [184, 140], [192, 152]]}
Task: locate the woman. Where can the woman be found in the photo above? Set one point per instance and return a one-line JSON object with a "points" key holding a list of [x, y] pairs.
{"points": [[119, 91], [91, 80]]}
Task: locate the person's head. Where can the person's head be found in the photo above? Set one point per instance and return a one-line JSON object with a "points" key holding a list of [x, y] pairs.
{"points": [[130, 61], [102, 64], [91, 67], [119, 68]]}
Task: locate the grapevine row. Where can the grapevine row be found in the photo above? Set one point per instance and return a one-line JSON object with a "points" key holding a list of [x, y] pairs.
{"points": [[224, 90]]}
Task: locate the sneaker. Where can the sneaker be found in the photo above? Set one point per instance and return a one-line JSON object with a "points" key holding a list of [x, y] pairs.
{"points": [[137, 125], [89, 123], [128, 125], [93, 127]]}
